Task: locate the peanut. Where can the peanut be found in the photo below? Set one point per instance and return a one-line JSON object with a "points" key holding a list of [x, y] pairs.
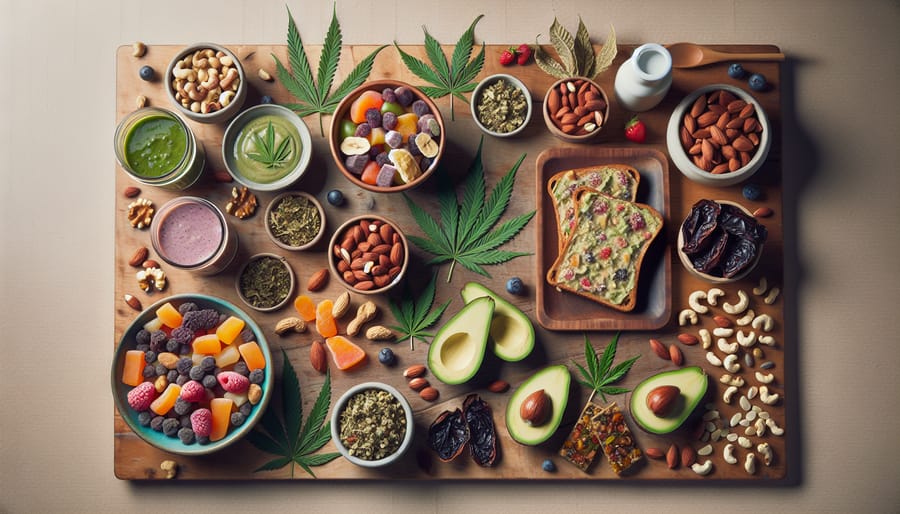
{"points": [[364, 313]]}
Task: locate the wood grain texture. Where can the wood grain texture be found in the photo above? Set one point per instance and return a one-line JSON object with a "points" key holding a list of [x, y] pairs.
{"points": [[136, 460]]}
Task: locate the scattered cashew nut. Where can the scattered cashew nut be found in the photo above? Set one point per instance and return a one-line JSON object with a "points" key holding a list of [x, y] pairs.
{"points": [[723, 332], [741, 306], [706, 450], [138, 49], [728, 454], [694, 301], [760, 289], [726, 396], [732, 380], [772, 296], [687, 316], [713, 295], [713, 359], [731, 363], [760, 427], [702, 469], [767, 340], [750, 463], [766, 397], [727, 347], [751, 393], [705, 338], [774, 428], [747, 318], [746, 340], [763, 322], [764, 378], [170, 467], [765, 450]]}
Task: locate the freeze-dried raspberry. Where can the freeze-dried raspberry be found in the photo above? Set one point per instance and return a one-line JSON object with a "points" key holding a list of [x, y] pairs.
{"points": [[142, 396], [233, 382]]}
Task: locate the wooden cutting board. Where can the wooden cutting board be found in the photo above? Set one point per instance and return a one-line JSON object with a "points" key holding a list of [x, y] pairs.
{"points": [[136, 460]]}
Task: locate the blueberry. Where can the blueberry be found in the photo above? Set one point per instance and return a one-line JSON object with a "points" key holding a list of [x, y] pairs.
{"points": [[548, 466], [335, 197], [736, 71], [515, 286], [146, 73], [266, 99], [752, 192], [757, 82], [386, 356]]}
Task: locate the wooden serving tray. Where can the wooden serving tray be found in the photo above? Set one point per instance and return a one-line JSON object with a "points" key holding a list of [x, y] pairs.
{"points": [[135, 460]]}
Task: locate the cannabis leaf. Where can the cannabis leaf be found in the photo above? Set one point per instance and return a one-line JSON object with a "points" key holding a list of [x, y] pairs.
{"points": [[598, 375], [464, 233], [267, 153], [312, 94], [286, 439], [415, 314], [454, 78], [576, 54]]}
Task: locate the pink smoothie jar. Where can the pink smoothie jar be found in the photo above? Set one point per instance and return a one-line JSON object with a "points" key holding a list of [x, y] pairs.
{"points": [[192, 234]]}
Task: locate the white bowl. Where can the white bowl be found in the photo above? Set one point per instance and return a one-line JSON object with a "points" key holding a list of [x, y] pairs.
{"points": [[476, 97], [218, 116], [684, 163], [336, 425]]}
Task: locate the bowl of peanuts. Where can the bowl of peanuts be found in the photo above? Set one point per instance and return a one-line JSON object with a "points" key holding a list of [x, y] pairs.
{"points": [[369, 254], [206, 83], [575, 109], [719, 135]]}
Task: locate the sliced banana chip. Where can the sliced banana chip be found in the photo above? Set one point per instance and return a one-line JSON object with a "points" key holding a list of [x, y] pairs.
{"points": [[354, 145], [427, 145], [406, 164]]}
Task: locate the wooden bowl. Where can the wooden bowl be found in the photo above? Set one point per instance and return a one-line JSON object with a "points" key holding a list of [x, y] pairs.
{"points": [[688, 265], [555, 126], [342, 255]]}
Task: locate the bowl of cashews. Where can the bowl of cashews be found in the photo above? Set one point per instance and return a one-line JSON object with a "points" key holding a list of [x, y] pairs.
{"points": [[206, 83]]}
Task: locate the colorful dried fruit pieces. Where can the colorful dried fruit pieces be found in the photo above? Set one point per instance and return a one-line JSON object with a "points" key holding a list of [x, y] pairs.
{"points": [[230, 329], [305, 307], [325, 324], [344, 353], [169, 315], [370, 173], [133, 370], [208, 344], [164, 402], [407, 125], [253, 355], [367, 100], [228, 356], [221, 417]]}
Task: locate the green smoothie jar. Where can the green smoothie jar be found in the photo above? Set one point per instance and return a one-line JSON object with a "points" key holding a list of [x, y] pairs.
{"points": [[155, 147]]}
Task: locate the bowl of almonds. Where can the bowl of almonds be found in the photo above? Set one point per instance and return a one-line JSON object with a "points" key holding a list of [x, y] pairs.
{"points": [[575, 109], [718, 135], [368, 254], [206, 83]]}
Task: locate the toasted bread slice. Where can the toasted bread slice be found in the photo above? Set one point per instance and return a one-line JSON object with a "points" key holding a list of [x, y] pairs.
{"points": [[617, 180], [602, 258]]}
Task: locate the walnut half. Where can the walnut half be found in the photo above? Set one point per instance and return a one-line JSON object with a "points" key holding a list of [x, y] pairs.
{"points": [[140, 213], [243, 203]]}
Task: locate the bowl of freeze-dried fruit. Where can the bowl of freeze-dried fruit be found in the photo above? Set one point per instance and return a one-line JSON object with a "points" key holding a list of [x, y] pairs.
{"points": [[192, 374]]}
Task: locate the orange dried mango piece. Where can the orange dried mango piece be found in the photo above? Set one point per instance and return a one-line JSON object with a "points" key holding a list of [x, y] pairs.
{"points": [[169, 315], [369, 174], [207, 345], [221, 417], [376, 137], [407, 125], [325, 324], [133, 370], [306, 308], [230, 329], [344, 352], [253, 355], [164, 402], [367, 100]]}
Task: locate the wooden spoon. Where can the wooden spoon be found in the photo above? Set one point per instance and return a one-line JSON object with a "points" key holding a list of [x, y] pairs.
{"points": [[690, 55]]}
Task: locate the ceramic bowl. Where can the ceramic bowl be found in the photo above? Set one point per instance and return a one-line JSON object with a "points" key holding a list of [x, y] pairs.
{"points": [[235, 142], [265, 308], [191, 55], [686, 262], [159, 439], [285, 244], [554, 125], [341, 404], [358, 231], [685, 163], [478, 95], [342, 117]]}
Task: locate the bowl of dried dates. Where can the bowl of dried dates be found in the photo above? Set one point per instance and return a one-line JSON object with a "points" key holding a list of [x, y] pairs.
{"points": [[718, 135], [575, 109], [368, 254], [720, 241]]}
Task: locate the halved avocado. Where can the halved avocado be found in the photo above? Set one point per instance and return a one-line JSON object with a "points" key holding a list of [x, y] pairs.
{"points": [[555, 381], [511, 331], [692, 383], [457, 350]]}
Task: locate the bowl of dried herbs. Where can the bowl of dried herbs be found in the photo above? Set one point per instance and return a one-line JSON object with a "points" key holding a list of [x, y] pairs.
{"points": [[372, 425], [295, 220], [501, 105], [265, 282]]}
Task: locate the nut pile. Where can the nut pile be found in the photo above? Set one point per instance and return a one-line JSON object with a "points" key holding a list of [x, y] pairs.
{"points": [[205, 81], [721, 132], [576, 107], [370, 255]]}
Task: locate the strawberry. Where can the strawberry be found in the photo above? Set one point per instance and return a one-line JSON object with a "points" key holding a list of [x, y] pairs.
{"points": [[201, 422], [635, 130], [193, 391], [508, 56], [142, 396], [524, 52], [233, 382]]}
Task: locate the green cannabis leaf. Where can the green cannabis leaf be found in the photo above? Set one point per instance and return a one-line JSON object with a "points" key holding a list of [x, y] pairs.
{"points": [[576, 54], [313, 94], [454, 78], [415, 314], [464, 233], [286, 439], [598, 375], [267, 153]]}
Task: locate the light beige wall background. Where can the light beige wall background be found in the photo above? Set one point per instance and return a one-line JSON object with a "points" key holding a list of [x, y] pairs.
{"points": [[56, 245]]}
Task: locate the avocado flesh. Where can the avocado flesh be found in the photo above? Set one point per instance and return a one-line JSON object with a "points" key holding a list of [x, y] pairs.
{"points": [[692, 381], [457, 350], [512, 333], [555, 381]]}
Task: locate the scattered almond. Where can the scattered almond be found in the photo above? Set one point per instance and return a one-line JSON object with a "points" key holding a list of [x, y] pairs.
{"points": [[688, 339], [763, 212], [139, 256], [131, 191], [317, 281], [222, 176], [688, 456], [722, 321], [418, 383], [317, 356], [429, 394], [672, 457], [150, 263], [498, 386], [416, 370], [676, 355], [654, 453], [659, 349], [133, 302]]}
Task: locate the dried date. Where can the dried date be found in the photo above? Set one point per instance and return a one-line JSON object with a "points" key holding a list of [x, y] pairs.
{"points": [[482, 433], [448, 435]]}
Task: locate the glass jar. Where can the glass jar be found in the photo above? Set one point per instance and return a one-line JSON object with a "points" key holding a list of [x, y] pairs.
{"points": [[192, 234], [644, 79]]}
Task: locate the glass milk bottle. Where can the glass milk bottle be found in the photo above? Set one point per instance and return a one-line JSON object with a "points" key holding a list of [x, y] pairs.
{"points": [[644, 79]]}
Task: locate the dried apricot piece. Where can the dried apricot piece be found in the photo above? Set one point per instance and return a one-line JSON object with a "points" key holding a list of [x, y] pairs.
{"points": [[132, 372], [169, 315], [253, 355], [221, 417], [367, 100], [344, 352], [230, 329], [325, 323], [306, 308]]}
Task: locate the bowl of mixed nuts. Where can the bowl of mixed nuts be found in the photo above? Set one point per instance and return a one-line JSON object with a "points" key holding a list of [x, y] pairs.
{"points": [[718, 135], [206, 83], [575, 109], [501, 105], [369, 254], [372, 425]]}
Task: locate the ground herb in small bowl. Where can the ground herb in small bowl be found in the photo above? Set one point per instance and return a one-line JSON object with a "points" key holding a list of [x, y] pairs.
{"points": [[372, 425], [294, 220], [266, 282], [501, 106]]}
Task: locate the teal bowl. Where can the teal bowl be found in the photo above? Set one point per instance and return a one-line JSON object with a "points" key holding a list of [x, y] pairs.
{"points": [[159, 439]]}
